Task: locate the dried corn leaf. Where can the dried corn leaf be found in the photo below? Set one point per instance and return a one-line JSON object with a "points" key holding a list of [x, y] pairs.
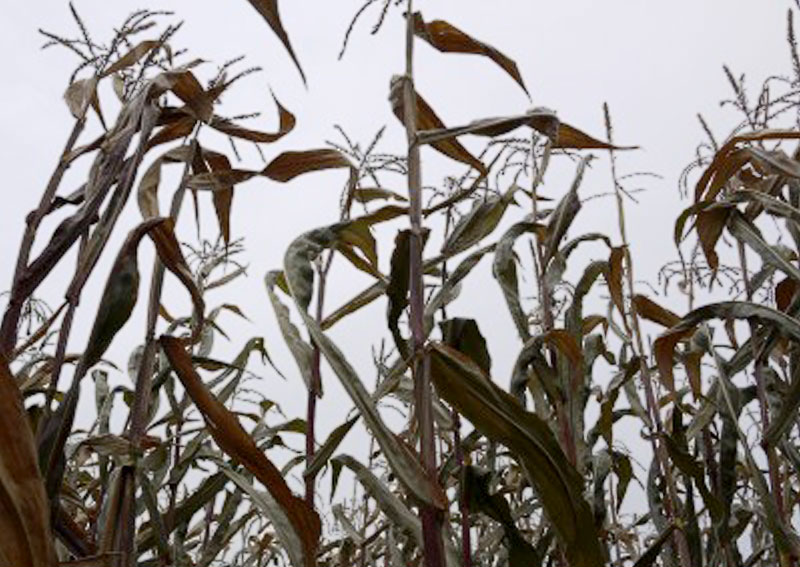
{"points": [[448, 39], [234, 440], [24, 510]]}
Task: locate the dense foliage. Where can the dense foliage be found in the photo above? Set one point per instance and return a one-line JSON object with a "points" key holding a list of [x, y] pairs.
{"points": [[530, 472]]}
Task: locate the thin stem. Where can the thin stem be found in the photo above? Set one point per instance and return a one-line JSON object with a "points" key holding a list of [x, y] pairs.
{"points": [[8, 331], [431, 517], [660, 450]]}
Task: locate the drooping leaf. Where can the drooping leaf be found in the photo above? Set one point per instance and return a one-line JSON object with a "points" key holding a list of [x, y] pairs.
{"points": [[652, 311], [504, 270], [727, 161], [393, 507], [79, 96], [498, 415], [449, 39], [302, 352], [24, 508], [464, 336], [428, 120], [286, 124], [289, 165], [564, 214], [543, 120], [397, 290], [269, 11], [234, 440], [169, 252], [299, 277], [665, 344]]}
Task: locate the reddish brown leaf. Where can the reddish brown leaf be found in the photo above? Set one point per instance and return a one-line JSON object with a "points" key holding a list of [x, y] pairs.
{"points": [[449, 39], [709, 224], [289, 165], [24, 510], [652, 311], [785, 291], [428, 120], [222, 197], [726, 153], [614, 280], [169, 252], [269, 11], [180, 127], [228, 433], [286, 125]]}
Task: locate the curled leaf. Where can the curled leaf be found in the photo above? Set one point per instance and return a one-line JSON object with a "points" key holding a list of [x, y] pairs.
{"points": [[449, 39]]}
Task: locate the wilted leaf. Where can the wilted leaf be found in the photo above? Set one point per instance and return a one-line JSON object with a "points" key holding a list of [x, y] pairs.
{"points": [[299, 276], [286, 124], [24, 509], [727, 161], [393, 507], [289, 165], [449, 39], [428, 120], [269, 11], [234, 440], [169, 252], [498, 415], [80, 95], [652, 311], [397, 290], [301, 351], [478, 223], [564, 214], [132, 57], [543, 120]]}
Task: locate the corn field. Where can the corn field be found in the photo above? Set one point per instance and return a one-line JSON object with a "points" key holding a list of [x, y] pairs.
{"points": [[188, 465]]}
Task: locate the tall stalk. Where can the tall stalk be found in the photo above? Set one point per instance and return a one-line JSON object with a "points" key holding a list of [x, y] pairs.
{"points": [[659, 449], [423, 404]]}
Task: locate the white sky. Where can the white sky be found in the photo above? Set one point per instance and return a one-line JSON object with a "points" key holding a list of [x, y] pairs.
{"points": [[656, 63]]}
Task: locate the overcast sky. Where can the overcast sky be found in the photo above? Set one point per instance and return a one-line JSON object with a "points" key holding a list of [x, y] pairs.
{"points": [[656, 63]]}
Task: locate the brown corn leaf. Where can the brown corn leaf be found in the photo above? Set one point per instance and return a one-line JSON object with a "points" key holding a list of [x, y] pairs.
{"points": [[428, 120], [289, 165], [179, 127], [236, 443], [664, 345], [448, 39], [24, 510], [132, 56], [286, 124], [652, 311], [725, 161], [222, 197], [543, 120], [785, 291], [169, 252], [710, 223], [368, 194], [614, 280], [269, 11]]}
